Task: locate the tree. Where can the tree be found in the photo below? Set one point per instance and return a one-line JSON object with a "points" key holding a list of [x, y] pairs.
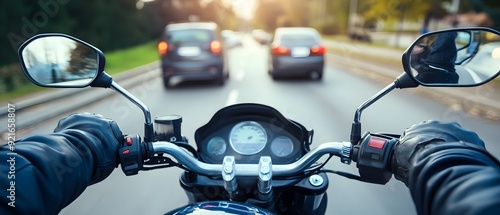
{"points": [[82, 61], [397, 10], [267, 13]]}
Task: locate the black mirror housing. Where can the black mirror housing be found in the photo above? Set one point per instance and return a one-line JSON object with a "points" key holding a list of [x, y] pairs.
{"points": [[448, 58], [61, 61]]}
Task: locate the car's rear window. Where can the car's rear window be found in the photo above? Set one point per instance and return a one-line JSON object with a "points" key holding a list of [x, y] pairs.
{"points": [[298, 38], [188, 36]]}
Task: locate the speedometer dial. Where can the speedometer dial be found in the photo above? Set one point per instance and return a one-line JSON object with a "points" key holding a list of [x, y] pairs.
{"points": [[282, 146], [248, 138]]}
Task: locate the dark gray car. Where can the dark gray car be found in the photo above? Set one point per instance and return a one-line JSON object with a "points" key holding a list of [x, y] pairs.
{"points": [[296, 51], [192, 51]]}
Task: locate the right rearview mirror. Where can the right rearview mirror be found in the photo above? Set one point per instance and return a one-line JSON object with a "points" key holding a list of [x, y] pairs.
{"points": [[457, 57]]}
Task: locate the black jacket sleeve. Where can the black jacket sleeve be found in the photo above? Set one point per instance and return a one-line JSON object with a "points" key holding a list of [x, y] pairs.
{"points": [[455, 178], [42, 174]]}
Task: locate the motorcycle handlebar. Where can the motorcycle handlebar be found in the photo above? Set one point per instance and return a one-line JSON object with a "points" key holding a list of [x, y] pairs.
{"points": [[372, 154], [340, 149]]}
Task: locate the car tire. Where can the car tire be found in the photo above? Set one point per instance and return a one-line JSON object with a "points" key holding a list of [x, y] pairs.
{"points": [[166, 83], [316, 75], [220, 80]]}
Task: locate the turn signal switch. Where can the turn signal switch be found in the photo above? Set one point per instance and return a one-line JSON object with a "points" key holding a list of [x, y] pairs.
{"points": [[373, 157], [131, 155]]}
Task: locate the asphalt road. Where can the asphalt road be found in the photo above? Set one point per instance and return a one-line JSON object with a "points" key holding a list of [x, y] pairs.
{"points": [[327, 106]]}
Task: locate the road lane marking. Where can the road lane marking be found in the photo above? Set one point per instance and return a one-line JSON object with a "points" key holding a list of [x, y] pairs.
{"points": [[474, 76], [232, 98]]}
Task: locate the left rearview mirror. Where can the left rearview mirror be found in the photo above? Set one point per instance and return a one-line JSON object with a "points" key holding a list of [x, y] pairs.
{"points": [[57, 60]]}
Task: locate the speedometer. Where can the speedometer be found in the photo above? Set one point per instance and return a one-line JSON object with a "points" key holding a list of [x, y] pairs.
{"points": [[248, 138], [282, 146], [216, 146]]}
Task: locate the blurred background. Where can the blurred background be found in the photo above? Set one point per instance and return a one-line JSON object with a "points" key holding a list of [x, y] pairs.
{"points": [[121, 24]]}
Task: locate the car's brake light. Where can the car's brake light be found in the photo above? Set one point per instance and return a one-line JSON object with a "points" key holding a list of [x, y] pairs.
{"points": [[215, 47], [162, 47], [318, 50], [280, 50]]}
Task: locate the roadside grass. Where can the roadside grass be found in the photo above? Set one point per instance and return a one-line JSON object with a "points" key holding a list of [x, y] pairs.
{"points": [[20, 92], [121, 60], [380, 59], [347, 40], [116, 61]]}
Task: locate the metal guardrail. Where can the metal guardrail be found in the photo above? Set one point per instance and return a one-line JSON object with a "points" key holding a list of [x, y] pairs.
{"points": [[37, 101]]}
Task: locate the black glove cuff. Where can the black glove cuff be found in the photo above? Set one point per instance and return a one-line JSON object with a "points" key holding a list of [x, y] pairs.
{"points": [[102, 136]]}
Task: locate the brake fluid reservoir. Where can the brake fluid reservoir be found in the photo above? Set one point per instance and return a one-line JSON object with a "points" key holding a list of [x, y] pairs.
{"points": [[168, 128]]}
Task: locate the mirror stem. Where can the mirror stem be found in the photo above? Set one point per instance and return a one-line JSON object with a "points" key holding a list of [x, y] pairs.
{"points": [[356, 125], [148, 132]]}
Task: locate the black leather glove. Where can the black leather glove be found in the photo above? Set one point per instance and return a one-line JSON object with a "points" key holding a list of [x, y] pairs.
{"points": [[420, 135], [101, 135]]}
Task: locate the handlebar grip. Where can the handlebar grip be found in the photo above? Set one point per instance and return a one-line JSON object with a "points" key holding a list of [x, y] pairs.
{"points": [[373, 157]]}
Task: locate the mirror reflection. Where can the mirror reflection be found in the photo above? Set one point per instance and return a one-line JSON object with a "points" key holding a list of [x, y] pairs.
{"points": [[60, 61], [455, 57]]}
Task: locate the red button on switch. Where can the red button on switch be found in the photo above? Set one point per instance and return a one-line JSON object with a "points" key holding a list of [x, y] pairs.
{"points": [[129, 141], [376, 143], [126, 152]]}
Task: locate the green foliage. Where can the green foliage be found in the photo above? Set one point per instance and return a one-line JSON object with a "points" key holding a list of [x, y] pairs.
{"points": [[109, 25], [396, 10]]}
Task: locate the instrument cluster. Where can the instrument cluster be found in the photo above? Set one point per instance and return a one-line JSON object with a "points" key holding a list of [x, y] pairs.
{"points": [[248, 140]]}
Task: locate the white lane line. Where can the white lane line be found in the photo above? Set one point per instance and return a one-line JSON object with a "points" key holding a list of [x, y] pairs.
{"points": [[474, 76], [240, 74], [232, 98]]}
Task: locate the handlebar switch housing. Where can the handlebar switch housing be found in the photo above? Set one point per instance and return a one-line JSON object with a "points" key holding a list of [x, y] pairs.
{"points": [[373, 157], [131, 155]]}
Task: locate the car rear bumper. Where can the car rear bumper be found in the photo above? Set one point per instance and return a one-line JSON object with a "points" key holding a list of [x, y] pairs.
{"points": [[208, 70], [294, 66]]}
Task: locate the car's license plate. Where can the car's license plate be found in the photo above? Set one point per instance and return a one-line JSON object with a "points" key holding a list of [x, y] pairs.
{"points": [[300, 52], [188, 51]]}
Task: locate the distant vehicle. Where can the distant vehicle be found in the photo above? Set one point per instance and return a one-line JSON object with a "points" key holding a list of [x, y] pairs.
{"points": [[231, 39], [296, 51], [192, 51]]}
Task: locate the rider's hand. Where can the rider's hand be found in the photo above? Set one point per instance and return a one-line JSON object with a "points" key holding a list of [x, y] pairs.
{"points": [[101, 135], [418, 136]]}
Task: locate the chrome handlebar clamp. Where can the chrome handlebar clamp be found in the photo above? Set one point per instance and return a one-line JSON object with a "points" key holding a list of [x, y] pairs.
{"points": [[228, 175]]}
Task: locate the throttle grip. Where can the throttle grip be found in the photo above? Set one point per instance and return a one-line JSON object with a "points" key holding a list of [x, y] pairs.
{"points": [[373, 157]]}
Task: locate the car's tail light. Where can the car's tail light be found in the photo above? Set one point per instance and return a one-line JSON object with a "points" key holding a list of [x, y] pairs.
{"points": [[318, 50], [215, 47], [162, 47], [280, 50]]}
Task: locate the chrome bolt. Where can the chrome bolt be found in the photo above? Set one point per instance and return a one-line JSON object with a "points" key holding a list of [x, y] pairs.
{"points": [[316, 180]]}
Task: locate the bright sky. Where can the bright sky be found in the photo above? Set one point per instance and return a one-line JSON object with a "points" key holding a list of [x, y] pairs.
{"points": [[244, 8]]}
